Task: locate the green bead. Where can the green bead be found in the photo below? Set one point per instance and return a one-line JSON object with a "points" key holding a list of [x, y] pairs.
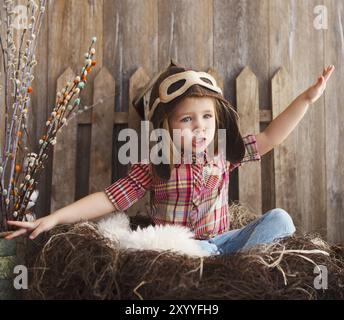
{"points": [[81, 85], [77, 102]]}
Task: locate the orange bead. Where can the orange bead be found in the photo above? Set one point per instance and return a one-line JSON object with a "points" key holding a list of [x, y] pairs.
{"points": [[17, 167], [94, 62], [83, 78], [88, 70], [19, 134], [29, 89]]}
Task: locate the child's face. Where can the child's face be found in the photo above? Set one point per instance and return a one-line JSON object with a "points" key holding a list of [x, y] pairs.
{"points": [[195, 119]]}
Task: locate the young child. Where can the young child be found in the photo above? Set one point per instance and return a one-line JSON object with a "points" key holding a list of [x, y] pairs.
{"points": [[193, 193]]}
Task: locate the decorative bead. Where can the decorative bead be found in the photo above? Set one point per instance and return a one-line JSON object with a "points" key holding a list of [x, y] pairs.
{"points": [[29, 89], [81, 85]]}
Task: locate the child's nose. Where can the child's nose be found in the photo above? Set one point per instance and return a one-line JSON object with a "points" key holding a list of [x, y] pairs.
{"points": [[199, 129], [199, 125]]}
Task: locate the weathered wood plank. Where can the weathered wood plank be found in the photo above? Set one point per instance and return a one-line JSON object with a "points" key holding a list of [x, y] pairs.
{"points": [[241, 37], [102, 127], [285, 153], [64, 158], [334, 118], [290, 30], [186, 33], [136, 83], [129, 46], [250, 191], [75, 23]]}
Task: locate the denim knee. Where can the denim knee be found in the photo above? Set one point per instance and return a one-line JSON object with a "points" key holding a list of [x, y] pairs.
{"points": [[208, 246], [282, 219]]}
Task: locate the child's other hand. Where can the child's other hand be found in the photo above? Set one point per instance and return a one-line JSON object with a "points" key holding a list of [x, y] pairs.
{"points": [[315, 91], [38, 226]]}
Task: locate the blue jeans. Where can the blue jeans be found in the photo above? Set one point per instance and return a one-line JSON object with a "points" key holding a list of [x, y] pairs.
{"points": [[271, 226]]}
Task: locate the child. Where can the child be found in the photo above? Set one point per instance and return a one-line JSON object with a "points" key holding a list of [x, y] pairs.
{"points": [[193, 194]]}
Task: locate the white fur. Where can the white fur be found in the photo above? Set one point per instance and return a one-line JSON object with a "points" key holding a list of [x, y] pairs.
{"points": [[160, 237]]}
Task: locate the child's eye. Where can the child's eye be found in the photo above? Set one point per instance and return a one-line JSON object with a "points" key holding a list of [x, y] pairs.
{"points": [[208, 115], [186, 119]]}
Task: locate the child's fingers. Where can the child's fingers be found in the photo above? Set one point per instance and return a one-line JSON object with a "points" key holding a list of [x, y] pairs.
{"points": [[327, 72], [22, 224], [16, 234], [36, 232]]}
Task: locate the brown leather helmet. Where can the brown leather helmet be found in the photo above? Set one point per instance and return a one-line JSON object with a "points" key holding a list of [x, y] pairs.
{"points": [[151, 108]]}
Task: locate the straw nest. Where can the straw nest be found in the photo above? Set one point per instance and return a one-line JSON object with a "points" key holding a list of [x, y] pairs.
{"points": [[77, 262]]}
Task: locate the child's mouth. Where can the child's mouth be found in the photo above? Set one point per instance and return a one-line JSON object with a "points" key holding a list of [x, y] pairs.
{"points": [[198, 142]]}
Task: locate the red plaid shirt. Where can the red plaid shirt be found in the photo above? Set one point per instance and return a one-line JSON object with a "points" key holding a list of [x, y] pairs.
{"points": [[196, 195]]}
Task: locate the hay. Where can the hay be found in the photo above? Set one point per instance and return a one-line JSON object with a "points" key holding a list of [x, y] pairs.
{"points": [[77, 262]]}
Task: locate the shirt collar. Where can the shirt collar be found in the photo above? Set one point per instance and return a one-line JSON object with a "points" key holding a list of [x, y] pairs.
{"points": [[201, 158]]}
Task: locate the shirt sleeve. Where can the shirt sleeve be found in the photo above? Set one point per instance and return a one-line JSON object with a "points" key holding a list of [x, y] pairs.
{"points": [[251, 152], [124, 192]]}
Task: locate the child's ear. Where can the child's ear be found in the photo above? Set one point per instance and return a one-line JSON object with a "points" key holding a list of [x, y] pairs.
{"points": [[235, 147]]}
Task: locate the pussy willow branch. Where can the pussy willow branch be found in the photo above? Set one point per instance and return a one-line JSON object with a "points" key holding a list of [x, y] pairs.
{"points": [[28, 69], [54, 127], [24, 75]]}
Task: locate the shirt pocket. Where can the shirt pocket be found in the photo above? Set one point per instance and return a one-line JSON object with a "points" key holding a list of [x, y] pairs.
{"points": [[214, 176]]}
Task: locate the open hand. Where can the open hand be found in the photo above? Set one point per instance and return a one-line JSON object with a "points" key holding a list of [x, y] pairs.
{"points": [[314, 92], [37, 227]]}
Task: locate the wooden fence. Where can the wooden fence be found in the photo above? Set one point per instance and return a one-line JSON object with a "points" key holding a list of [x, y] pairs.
{"points": [[304, 175], [103, 156]]}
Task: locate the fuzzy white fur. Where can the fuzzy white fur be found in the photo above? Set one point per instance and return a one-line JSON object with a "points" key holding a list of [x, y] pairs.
{"points": [[176, 238]]}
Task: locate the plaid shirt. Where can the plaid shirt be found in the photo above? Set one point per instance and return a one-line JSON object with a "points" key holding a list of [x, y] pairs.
{"points": [[196, 195]]}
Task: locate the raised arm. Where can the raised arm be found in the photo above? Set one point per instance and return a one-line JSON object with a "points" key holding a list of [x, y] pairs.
{"points": [[280, 128]]}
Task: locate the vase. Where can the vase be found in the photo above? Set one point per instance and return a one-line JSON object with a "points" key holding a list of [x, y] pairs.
{"points": [[12, 253]]}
